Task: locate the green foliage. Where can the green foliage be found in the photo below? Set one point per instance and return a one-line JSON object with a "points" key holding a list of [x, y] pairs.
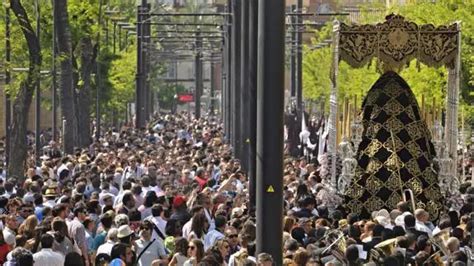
{"points": [[167, 94], [121, 80], [427, 81], [83, 18]]}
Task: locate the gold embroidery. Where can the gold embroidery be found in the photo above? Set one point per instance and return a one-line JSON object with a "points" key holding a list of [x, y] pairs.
{"points": [[414, 149], [373, 148], [394, 124], [415, 185], [374, 166], [394, 199], [373, 184], [374, 204], [413, 130], [413, 167], [393, 182], [393, 163]]}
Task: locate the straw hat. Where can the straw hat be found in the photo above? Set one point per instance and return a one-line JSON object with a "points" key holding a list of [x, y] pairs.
{"points": [[124, 231], [51, 191], [84, 158]]}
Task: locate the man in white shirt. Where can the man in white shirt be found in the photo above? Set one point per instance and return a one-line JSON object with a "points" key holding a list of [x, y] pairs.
{"points": [[9, 231], [77, 231], [105, 192], [215, 234], [151, 248], [422, 217], [106, 248], [46, 256], [159, 221]]}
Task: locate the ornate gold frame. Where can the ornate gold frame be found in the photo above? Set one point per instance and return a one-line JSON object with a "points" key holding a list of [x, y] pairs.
{"points": [[395, 43]]}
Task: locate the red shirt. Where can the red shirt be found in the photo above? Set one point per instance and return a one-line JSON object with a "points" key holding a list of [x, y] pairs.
{"points": [[4, 249], [201, 181]]}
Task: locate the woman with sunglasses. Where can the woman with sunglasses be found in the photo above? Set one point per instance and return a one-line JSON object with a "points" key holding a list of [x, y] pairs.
{"points": [[195, 252], [220, 251]]}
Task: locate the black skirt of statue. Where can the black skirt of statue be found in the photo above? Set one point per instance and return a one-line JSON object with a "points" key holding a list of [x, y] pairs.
{"points": [[390, 109]]}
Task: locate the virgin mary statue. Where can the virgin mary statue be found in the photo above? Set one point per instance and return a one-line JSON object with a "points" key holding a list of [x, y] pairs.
{"points": [[395, 154]]}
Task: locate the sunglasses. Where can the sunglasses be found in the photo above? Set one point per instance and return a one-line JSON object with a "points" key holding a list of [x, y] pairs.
{"points": [[191, 247], [232, 236]]}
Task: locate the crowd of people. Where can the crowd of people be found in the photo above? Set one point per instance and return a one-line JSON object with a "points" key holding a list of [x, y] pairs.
{"points": [[174, 195]]}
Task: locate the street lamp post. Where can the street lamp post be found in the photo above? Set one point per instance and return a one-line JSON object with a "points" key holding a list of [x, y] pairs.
{"points": [[198, 74], [235, 68], [244, 81], [253, 63], [293, 48], [98, 78], [116, 22], [140, 75], [228, 70], [299, 64]]}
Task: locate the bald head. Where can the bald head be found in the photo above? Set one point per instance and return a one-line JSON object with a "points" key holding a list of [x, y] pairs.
{"points": [[421, 215], [453, 244]]}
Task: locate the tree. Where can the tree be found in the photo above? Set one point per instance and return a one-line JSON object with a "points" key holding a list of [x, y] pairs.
{"points": [[66, 75], [167, 95], [22, 102], [83, 90], [122, 80], [84, 26]]}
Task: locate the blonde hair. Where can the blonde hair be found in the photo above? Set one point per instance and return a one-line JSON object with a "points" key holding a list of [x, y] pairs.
{"points": [[28, 227]]}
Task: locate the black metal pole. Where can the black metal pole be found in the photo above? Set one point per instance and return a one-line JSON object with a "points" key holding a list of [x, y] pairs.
{"points": [[38, 96], [114, 51], [198, 76], [253, 63], [293, 56], [244, 81], [223, 85], [98, 79], [114, 39], [228, 100], [53, 85], [139, 119], [213, 85], [7, 83], [146, 65], [299, 64], [236, 35], [270, 99], [106, 30], [126, 39], [120, 38]]}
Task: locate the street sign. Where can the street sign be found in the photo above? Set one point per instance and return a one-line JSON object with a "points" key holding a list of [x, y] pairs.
{"points": [[185, 97]]}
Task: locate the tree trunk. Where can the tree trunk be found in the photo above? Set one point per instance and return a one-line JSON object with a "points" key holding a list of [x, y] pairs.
{"points": [[22, 102], [66, 76], [83, 110]]}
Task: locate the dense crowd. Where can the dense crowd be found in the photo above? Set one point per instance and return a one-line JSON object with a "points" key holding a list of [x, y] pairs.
{"points": [[174, 195]]}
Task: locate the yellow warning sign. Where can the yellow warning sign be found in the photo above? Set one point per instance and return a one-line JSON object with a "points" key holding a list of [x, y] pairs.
{"points": [[270, 189]]}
